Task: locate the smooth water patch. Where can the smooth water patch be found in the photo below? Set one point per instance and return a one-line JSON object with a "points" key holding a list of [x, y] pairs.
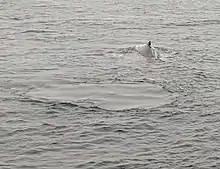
{"points": [[107, 96]]}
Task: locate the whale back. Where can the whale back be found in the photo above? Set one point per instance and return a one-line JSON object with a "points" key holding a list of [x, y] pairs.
{"points": [[146, 50]]}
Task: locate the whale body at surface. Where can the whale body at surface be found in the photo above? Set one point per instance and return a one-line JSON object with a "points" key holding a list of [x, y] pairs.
{"points": [[147, 50]]}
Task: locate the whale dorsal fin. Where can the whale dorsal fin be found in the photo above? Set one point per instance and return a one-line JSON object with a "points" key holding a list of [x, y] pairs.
{"points": [[149, 43]]}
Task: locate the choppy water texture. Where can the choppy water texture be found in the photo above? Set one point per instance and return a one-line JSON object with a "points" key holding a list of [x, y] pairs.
{"points": [[74, 93]]}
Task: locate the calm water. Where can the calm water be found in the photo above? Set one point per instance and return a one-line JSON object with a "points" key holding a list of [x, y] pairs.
{"points": [[74, 93]]}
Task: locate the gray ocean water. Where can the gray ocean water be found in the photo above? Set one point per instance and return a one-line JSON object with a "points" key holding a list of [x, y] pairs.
{"points": [[74, 93]]}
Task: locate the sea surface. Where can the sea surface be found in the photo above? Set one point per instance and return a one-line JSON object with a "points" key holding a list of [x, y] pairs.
{"points": [[75, 94]]}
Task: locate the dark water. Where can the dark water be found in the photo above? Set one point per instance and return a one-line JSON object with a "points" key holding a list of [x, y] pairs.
{"points": [[75, 95]]}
